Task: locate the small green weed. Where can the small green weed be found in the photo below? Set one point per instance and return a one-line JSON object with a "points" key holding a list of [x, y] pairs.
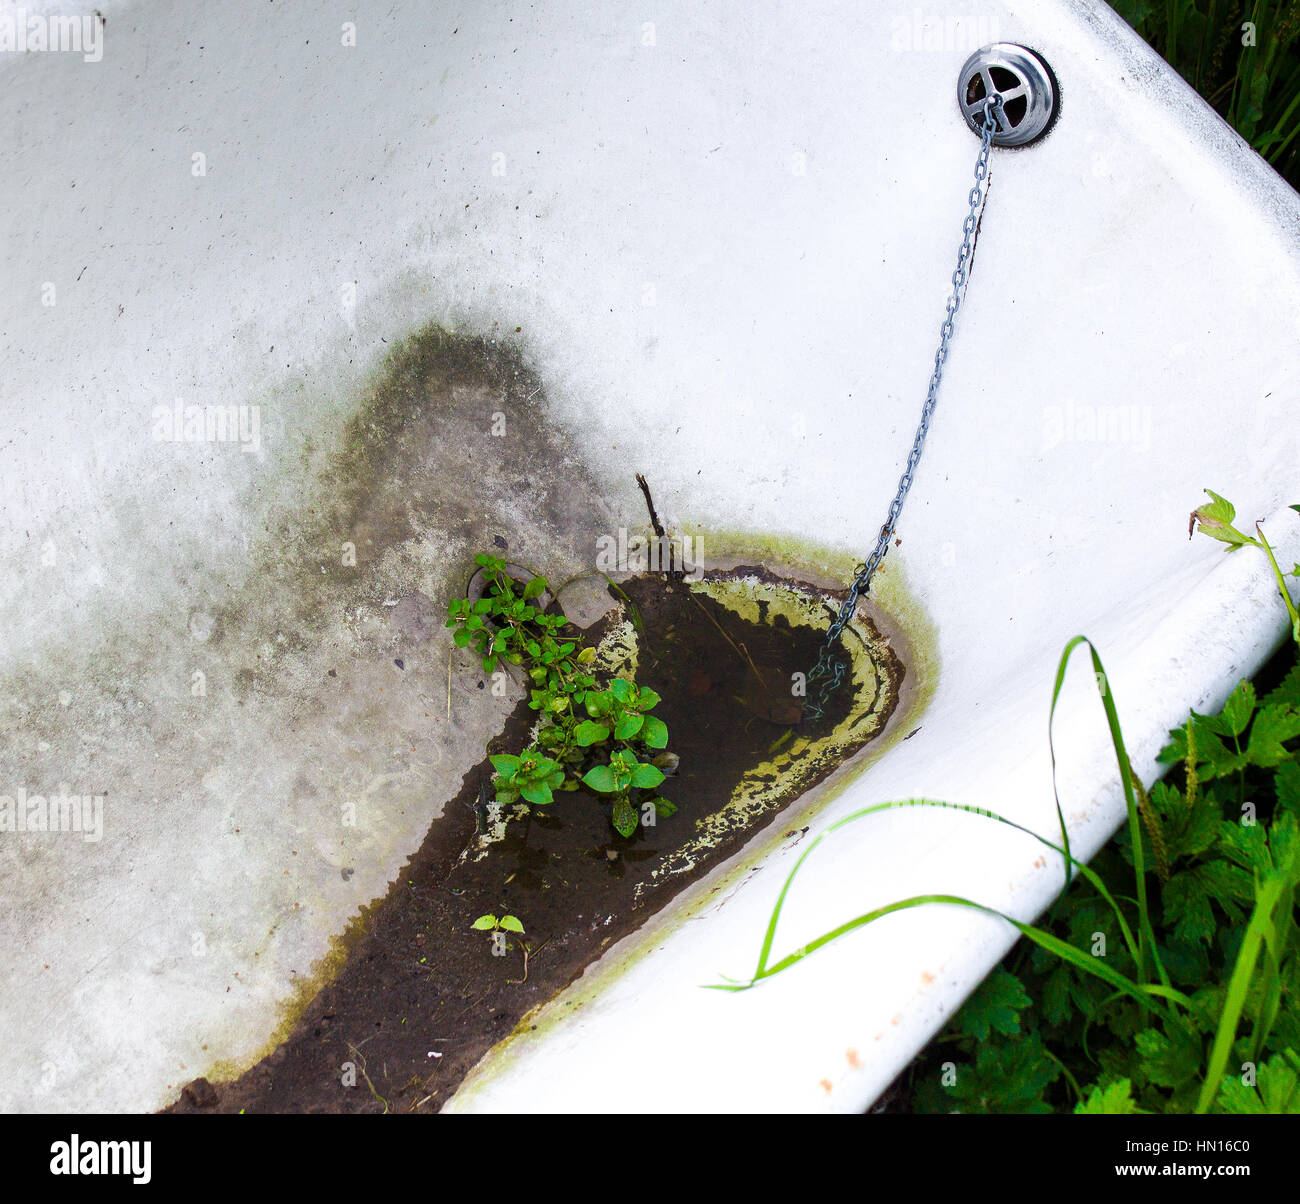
{"points": [[587, 736]]}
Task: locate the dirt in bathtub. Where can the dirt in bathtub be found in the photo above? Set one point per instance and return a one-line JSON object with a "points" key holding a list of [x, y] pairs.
{"points": [[422, 995]]}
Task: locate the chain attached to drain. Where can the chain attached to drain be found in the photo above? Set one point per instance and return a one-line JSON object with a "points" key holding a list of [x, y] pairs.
{"points": [[828, 673]]}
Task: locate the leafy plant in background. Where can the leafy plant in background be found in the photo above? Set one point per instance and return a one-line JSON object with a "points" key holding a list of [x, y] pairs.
{"points": [[1181, 998], [585, 735], [1243, 58]]}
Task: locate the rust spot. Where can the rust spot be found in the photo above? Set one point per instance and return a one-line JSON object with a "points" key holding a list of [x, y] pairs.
{"points": [[826, 1086], [851, 1056], [927, 978], [1040, 863], [896, 1020]]}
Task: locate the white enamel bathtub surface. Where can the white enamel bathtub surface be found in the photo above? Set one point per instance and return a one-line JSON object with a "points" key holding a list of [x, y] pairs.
{"points": [[725, 233]]}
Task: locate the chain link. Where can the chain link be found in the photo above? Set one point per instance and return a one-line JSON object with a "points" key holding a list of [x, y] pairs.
{"points": [[830, 669]]}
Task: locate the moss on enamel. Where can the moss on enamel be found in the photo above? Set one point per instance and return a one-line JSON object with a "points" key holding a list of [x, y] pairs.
{"points": [[302, 990]]}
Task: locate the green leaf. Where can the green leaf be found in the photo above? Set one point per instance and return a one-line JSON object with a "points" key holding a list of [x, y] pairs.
{"points": [[624, 818], [1187, 896], [622, 689], [598, 704], [628, 726], [461, 638], [1172, 1057], [1288, 689], [1272, 726], [1056, 999], [1187, 830], [535, 588], [994, 1006], [1008, 1077], [1115, 1099], [1247, 846], [588, 733], [601, 778], [1237, 710], [1215, 520], [646, 777], [647, 700], [663, 808], [511, 924], [654, 732], [506, 764], [537, 792], [1284, 844], [483, 606], [485, 922], [1277, 1091], [489, 664]]}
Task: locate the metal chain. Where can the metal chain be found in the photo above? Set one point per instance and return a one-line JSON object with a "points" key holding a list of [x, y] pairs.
{"points": [[830, 669]]}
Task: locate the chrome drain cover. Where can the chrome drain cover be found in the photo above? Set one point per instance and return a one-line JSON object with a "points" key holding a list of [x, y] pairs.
{"points": [[1025, 83]]}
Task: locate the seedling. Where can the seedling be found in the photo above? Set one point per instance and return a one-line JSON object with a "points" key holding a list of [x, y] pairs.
{"points": [[498, 926]]}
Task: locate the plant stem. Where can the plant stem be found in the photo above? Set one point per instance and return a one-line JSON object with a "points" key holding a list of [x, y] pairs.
{"points": [[1281, 585]]}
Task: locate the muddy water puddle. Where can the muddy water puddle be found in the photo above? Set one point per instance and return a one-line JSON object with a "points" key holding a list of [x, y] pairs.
{"points": [[421, 995]]}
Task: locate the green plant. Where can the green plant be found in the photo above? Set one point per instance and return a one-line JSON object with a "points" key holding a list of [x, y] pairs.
{"points": [[584, 735], [618, 717], [1242, 56], [1143, 1003], [1215, 520], [491, 923]]}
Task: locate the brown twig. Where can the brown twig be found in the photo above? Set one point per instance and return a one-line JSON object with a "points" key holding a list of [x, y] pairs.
{"points": [[660, 533], [654, 517], [741, 650]]}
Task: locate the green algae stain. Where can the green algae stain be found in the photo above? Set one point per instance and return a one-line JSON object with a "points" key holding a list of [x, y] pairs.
{"points": [[303, 989]]}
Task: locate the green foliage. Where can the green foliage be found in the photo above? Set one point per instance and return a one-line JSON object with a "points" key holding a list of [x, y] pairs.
{"points": [[1223, 920], [1167, 977], [1114, 1099], [1007, 1077], [995, 1006], [1244, 59], [601, 751]]}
